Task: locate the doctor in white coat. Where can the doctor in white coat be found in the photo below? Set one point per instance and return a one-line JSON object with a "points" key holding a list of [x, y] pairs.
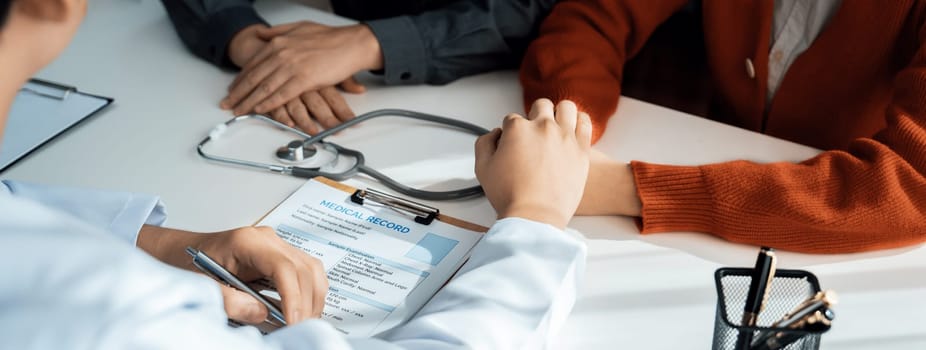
{"points": [[85, 269]]}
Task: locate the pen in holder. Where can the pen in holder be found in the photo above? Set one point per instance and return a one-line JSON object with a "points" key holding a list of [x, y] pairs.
{"points": [[789, 289]]}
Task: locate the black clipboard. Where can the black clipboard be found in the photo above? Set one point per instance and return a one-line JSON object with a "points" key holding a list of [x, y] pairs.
{"points": [[42, 111]]}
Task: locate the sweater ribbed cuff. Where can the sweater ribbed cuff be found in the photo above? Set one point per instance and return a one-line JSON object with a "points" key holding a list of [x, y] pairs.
{"points": [[674, 198]]}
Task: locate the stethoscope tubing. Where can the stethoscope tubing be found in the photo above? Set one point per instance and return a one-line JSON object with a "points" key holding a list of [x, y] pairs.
{"points": [[456, 123], [359, 166]]}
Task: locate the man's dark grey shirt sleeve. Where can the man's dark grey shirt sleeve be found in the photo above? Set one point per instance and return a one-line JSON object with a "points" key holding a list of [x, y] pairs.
{"points": [[462, 38], [207, 26], [446, 41]]}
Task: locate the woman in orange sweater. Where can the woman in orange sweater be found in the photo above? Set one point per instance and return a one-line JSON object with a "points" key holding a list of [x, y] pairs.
{"points": [[848, 77]]}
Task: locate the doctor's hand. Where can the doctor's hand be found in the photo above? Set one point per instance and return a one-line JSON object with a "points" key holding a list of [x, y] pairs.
{"points": [[251, 253], [301, 57], [536, 167]]}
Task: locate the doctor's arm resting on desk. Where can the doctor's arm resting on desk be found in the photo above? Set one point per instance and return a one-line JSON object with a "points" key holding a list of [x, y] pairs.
{"points": [[289, 71], [249, 252], [867, 191]]}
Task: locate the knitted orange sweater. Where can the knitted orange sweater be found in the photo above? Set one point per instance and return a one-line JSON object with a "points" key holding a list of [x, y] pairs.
{"points": [[859, 92]]}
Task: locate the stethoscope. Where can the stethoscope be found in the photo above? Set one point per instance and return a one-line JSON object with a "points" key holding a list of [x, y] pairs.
{"points": [[300, 150]]}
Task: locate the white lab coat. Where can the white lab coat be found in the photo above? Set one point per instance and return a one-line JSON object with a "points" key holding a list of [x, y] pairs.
{"points": [[72, 279]]}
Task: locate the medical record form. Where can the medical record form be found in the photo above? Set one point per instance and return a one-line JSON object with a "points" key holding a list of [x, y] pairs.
{"points": [[382, 265]]}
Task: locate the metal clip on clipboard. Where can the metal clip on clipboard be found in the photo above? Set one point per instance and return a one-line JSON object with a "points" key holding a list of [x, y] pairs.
{"points": [[65, 90], [424, 214]]}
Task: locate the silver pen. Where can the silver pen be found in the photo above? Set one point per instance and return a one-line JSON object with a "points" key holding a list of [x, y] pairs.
{"points": [[208, 266]]}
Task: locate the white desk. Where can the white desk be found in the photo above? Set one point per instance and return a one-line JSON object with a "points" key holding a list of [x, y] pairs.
{"points": [[641, 292]]}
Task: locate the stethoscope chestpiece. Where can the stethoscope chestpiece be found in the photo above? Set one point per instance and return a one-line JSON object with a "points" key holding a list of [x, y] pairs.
{"points": [[295, 151]]}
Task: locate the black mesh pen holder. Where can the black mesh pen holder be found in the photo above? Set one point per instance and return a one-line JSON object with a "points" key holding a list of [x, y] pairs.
{"points": [[789, 288]]}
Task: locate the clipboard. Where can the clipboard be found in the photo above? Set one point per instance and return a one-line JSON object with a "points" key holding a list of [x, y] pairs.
{"points": [[385, 256], [41, 111]]}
